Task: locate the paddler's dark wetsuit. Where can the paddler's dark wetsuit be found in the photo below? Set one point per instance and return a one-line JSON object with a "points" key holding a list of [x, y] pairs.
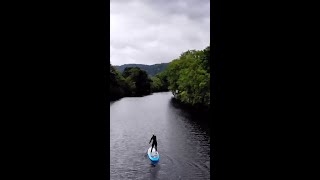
{"points": [[154, 142]]}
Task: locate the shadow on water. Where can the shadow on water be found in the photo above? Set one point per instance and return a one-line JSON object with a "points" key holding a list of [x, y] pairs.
{"points": [[154, 170], [153, 164], [190, 110], [200, 116]]}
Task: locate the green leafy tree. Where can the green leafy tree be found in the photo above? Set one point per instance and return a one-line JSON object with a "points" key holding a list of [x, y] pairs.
{"points": [[189, 77], [118, 86], [137, 80]]}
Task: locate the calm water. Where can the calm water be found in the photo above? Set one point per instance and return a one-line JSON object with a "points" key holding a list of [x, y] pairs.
{"points": [[183, 140]]}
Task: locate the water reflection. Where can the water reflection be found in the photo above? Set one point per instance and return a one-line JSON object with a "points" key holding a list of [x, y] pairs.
{"points": [[154, 170], [183, 141], [197, 118]]}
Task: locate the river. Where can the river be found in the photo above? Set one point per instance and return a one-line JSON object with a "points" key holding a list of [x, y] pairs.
{"points": [[183, 139]]}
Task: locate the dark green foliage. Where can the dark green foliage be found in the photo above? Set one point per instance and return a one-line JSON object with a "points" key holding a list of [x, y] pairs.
{"points": [[118, 86], [138, 81], [189, 77], [159, 82], [151, 70], [135, 82]]}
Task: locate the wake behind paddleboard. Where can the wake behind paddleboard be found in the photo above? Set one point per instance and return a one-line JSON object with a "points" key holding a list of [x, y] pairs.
{"points": [[154, 155]]}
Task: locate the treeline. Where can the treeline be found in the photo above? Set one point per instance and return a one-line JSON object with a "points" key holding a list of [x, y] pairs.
{"points": [[135, 82], [188, 78], [152, 70]]}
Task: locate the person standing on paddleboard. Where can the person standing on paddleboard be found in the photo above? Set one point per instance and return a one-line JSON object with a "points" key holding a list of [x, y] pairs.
{"points": [[154, 142]]}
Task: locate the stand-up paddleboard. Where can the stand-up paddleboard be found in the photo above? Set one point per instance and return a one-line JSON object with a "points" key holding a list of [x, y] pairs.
{"points": [[154, 155]]}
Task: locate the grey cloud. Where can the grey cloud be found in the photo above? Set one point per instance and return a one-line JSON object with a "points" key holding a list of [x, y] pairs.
{"points": [[194, 9], [150, 32]]}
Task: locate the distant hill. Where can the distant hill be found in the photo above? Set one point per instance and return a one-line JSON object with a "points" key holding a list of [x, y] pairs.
{"points": [[150, 69]]}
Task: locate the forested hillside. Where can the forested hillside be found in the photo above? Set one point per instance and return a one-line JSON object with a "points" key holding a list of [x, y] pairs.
{"points": [[151, 70], [187, 77]]}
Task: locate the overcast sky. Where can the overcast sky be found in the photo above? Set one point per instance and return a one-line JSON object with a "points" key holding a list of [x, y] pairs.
{"points": [[156, 31]]}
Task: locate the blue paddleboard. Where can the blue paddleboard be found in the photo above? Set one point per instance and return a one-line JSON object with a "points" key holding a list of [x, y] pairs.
{"points": [[154, 155]]}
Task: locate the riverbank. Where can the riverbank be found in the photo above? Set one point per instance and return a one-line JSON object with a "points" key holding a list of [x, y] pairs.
{"points": [[194, 109], [111, 99]]}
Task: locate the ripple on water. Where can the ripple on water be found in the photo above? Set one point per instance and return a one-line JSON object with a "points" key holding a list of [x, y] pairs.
{"points": [[183, 145]]}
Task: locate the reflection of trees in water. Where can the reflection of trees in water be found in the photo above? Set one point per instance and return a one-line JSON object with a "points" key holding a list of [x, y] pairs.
{"points": [[202, 118], [190, 112]]}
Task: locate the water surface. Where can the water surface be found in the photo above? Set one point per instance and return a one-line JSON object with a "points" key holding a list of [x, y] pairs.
{"points": [[183, 140]]}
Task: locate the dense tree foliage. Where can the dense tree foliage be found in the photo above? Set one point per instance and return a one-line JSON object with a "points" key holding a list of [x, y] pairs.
{"points": [[152, 70], [189, 77], [138, 81], [135, 82], [159, 82], [118, 85]]}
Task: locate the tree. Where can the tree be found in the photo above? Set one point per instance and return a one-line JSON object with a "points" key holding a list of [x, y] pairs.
{"points": [[138, 81], [189, 77], [117, 84]]}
